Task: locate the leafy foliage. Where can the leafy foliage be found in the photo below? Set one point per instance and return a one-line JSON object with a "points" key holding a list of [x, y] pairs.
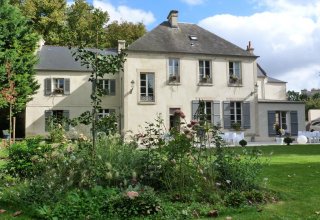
{"points": [[127, 31], [18, 43], [81, 204], [48, 18], [26, 158], [85, 25], [77, 24], [139, 201]]}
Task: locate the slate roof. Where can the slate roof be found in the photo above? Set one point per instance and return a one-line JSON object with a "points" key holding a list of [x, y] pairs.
{"points": [[60, 59], [165, 39], [262, 73]]}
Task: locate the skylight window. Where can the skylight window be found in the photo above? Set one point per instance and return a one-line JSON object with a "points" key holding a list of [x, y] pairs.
{"points": [[193, 37]]}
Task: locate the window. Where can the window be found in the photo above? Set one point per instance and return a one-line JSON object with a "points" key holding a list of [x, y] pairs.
{"points": [[281, 119], [193, 37], [147, 87], [173, 120], [55, 117], [235, 72], [205, 71], [174, 70], [285, 120], [108, 86], [236, 113], [56, 86], [204, 111], [105, 112]]}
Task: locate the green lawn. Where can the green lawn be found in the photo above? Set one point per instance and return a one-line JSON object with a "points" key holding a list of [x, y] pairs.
{"points": [[294, 172]]}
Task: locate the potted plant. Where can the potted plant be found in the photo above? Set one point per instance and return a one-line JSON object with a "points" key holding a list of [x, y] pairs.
{"points": [[279, 132], [233, 78], [58, 90], [172, 78], [288, 140], [236, 126], [243, 143]]}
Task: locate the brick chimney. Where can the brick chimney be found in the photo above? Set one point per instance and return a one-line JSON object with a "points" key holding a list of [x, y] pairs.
{"points": [[121, 45], [173, 18], [250, 49]]}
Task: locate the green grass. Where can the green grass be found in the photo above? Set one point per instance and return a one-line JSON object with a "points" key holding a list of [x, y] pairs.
{"points": [[293, 172]]}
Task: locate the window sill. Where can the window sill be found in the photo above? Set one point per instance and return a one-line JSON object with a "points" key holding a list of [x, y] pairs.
{"points": [[205, 84], [235, 85], [57, 94], [146, 103], [172, 83]]}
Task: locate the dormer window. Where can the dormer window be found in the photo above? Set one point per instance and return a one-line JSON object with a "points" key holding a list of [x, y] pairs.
{"points": [[193, 37]]}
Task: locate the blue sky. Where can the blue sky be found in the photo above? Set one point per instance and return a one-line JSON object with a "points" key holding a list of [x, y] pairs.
{"points": [[284, 33]]}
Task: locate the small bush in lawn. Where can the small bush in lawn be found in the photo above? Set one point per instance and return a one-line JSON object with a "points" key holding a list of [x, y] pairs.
{"points": [[136, 202], [288, 140], [254, 196], [235, 199], [243, 143]]}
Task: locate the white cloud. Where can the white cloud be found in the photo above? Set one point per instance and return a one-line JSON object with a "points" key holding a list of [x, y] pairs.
{"points": [[193, 2], [124, 13], [286, 36]]}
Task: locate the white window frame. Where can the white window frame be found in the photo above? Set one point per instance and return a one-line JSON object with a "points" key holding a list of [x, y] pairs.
{"points": [[203, 76], [106, 86], [235, 72], [58, 85], [208, 111], [174, 70], [236, 117], [281, 118], [149, 97], [105, 112]]}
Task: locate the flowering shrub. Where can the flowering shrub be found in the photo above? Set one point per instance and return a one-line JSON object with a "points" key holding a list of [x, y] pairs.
{"points": [[27, 158], [279, 131], [139, 201]]}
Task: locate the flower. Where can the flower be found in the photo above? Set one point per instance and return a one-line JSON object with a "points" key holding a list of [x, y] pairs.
{"points": [[179, 113], [132, 194], [279, 131]]}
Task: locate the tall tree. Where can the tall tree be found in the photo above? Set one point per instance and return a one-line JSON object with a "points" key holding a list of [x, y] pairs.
{"points": [[293, 96], [49, 19], [85, 24], [127, 31], [18, 44]]}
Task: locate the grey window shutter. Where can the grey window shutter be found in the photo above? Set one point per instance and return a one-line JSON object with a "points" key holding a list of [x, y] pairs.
{"points": [[195, 106], [112, 111], [246, 115], [47, 86], [67, 86], [216, 112], [226, 115], [66, 115], [112, 87], [271, 122], [294, 123], [47, 120]]}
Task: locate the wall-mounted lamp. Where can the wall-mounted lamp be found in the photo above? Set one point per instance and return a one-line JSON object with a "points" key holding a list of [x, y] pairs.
{"points": [[132, 85]]}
